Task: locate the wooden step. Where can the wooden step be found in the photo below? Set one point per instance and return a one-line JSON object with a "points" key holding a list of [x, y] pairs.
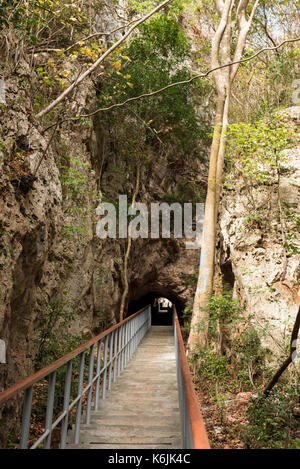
{"points": [[141, 409]]}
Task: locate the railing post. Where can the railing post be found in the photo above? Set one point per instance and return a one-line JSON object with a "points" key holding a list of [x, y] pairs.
{"points": [[49, 412], [64, 425], [122, 339], [98, 369], [90, 383], [105, 368], [111, 349], [115, 356], [26, 418], [79, 404], [126, 342], [123, 344], [119, 349], [135, 332], [130, 339]]}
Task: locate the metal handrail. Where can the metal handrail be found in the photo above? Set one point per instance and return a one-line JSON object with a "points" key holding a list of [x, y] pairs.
{"points": [[119, 343], [193, 432]]}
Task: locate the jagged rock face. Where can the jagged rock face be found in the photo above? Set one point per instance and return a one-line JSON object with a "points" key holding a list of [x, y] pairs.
{"points": [[44, 261], [166, 268], [50, 253], [254, 252], [39, 262]]}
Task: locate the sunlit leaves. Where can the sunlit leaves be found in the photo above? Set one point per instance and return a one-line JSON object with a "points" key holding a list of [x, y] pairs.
{"points": [[257, 149]]}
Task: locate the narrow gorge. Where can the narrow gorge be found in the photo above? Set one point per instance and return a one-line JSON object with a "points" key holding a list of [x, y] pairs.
{"points": [[61, 284]]}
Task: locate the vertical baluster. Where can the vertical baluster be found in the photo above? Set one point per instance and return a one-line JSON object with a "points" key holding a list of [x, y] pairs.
{"points": [[134, 334], [119, 349], [67, 391], [123, 345], [79, 403], [98, 369], [185, 416], [49, 412], [115, 354], [137, 331], [90, 391], [126, 343], [111, 348], [26, 418], [105, 368], [130, 338]]}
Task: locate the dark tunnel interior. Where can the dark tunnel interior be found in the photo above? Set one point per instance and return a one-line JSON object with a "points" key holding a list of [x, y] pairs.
{"points": [[161, 315]]}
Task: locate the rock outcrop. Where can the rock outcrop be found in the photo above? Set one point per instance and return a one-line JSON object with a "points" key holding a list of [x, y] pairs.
{"points": [[252, 252]]}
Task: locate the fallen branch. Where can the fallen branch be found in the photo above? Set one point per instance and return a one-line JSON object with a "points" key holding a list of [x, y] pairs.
{"points": [[68, 90]]}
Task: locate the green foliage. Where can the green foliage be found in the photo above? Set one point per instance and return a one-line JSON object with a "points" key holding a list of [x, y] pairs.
{"points": [[190, 280], [240, 365], [273, 420], [249, 348], [186, 322], [213, 366], [223, 310], [256, 149], [143, 6], [186, 192], [292, 230], [76, 193], [54, 339], [252, 221], [153, 59], [234, 346], [69, 231], [248, 358], [278, 75], [36, 20], [73, 178]]}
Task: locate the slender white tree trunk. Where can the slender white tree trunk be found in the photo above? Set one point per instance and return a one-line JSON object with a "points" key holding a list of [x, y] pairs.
{"points": [[221, 50]]}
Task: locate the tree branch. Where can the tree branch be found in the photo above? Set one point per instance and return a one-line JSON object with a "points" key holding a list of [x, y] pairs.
{"points": [[68, 90], [224, 10], [184, 82], [244, 27], [99, 34]]}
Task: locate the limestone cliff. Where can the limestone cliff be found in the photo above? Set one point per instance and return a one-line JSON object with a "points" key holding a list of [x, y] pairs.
{"points": [[252, 256]]}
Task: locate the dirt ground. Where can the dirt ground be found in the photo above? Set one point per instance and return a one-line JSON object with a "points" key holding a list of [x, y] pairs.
{"points": [[224, 423]]}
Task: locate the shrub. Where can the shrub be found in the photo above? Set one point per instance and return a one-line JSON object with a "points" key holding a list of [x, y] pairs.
{"points": [[273, 419]]}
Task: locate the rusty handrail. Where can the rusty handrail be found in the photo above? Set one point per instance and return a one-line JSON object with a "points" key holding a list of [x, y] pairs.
{"points": [[117, 344], [197, 426], [44, 372]]}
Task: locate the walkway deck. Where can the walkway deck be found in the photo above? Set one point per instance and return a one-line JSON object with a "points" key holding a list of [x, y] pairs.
{"points": [[141, 409]]}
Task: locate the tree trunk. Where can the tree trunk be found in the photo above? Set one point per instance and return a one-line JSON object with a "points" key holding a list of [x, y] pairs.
{"points": [[199, 323], [221, 47], [126, 258]]}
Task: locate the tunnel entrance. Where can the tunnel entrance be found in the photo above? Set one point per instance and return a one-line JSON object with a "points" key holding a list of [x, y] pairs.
{"points": [[161, 308]]}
